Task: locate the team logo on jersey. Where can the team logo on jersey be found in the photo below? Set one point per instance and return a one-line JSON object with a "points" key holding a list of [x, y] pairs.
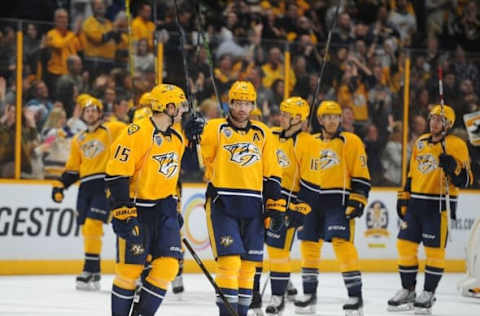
{"points": [[328, 159], [282, 158], [132, 129], [168, 164], [227, 132], [226, 241], [92, 148], [426, 163], [245, 154]]}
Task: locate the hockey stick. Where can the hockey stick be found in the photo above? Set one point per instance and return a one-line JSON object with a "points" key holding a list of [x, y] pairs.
{"points": [[324, 63], [264, 288], [209, 277], [444, 148]]}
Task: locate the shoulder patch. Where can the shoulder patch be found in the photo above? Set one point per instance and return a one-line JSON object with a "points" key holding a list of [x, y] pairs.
{"points": [[133, 128]]}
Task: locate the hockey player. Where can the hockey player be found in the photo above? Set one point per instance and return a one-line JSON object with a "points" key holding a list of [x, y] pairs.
{"points": [[142, 176], [294, 113], [334, 183], [437, 157], [87, 161], [241, 167]]}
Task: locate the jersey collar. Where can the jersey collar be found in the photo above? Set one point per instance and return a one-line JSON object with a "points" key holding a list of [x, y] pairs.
{"points": [[242, 129]]}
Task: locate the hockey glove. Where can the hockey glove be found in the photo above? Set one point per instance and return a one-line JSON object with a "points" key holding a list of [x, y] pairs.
{"points": [[194, 127], [447, 163], [125, 223], [275, 211], [355, 205], [402, 203], [57, 194], [180, 220], [296, 213]]}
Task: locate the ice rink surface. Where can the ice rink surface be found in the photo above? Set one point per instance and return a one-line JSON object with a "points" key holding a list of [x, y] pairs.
{"points": [[55, 295]]}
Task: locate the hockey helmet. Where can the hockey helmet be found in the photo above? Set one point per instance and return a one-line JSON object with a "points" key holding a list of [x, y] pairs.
{"points": [[243, 91], [295, 106], [165, 94], [329, 107], [444, 111]]}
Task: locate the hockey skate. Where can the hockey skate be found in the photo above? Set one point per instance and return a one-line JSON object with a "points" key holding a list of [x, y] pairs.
{"points": [[88, 281], [291, 292], [354, 306], [402, 301], [424, 302], [306, 305], [255, 308], [177, 286], [276, 306]]}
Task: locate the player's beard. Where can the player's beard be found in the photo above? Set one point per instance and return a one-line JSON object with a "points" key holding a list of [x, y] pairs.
{"points": [[238, 120]]}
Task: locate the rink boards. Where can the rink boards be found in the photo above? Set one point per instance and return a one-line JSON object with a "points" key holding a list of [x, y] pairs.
{"points": [[38, 236]]}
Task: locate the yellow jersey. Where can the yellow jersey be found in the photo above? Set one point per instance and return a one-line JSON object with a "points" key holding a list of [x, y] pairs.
{"points": [[142, 29], [285, 153], [92, 38], [426, 179], [333, 168], [147, 162], [89, 153], [238, 160], [62, 46]]}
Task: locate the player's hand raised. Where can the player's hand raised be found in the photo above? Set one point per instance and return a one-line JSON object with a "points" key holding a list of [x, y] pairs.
{"points": [[194, 127]]}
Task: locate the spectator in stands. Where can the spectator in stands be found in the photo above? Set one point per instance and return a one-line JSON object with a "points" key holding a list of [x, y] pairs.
{"points": [[62, 43], [392, 157], [41, 104], [348, 122], [99, 40], [144, 60], [418, 128], [374, 148], [225, 75], [31, 162], [265, 99], [70, 84], [31, 48], [142, 27], [466, 28], [342, 35], [465, 69], [7, 142], [421, 103], [209, 109], [108, 100], [7, 56], [278, 90], [55, 144], [120, 110], [274, 69], [403, 21]]}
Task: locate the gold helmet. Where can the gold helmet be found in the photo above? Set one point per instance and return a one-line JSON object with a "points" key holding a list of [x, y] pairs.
{"points": [[444, 111], [91, 101], [256, 113], [164, 94], [295, 106], [329, 107], [81, 98], [141, 113], [145, 100], [242, 90]]}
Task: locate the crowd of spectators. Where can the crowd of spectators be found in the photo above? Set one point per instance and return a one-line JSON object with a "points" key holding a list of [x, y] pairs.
{"points": [[87, 50]]}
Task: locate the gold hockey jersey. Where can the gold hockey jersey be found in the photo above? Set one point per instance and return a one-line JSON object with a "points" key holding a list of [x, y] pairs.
{"points": [[426, 177], [89, 154], [333, 167], [237, 161], [149, 159], [285, 153]]}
